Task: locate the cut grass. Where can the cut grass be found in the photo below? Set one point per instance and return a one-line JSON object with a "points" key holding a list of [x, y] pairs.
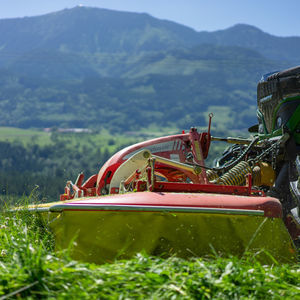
{"points": [[29, 268]]}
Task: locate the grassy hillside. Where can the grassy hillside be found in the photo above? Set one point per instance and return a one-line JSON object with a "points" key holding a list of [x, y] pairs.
{"points": [[24, 136], [95, 68], [27, 137], [173, 89], [32, 161]]}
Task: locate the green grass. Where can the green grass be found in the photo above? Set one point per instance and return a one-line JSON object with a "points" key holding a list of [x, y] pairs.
{"points": [[29, 268], [96, 139], [24, 136]]}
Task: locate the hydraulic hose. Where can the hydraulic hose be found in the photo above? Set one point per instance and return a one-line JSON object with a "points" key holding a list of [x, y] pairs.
{"points": [[227, 167]]}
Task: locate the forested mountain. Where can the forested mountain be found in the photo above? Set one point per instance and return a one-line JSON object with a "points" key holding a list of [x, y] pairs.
{"points": [[91, 30], [271, 47], [94, 30], [90, 67], [176, 88]]}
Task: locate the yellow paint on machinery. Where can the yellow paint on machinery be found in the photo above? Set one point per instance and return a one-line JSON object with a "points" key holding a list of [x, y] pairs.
{"points": [[103, 236], [267, 174]]}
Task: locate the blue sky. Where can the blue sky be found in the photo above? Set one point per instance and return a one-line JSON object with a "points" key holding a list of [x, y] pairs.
{"points": [[277, 17]]}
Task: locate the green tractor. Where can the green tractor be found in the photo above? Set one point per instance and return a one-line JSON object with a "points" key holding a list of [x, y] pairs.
{"points": [[278, 112], [276, 143], [278, 101]]}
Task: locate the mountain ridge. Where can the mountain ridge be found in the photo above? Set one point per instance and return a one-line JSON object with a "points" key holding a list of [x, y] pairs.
{"points": [[83, 67], [85, 29]]}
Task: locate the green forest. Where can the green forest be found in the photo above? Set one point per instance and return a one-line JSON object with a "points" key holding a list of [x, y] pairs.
{"points": [[39, 164]]}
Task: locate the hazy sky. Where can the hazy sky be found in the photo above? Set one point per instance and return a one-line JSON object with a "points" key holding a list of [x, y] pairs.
{"points": [[278, 17]]}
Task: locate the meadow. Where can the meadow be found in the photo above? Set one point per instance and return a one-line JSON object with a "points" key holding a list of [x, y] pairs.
{"points": [[42, 161], [41, 137]]}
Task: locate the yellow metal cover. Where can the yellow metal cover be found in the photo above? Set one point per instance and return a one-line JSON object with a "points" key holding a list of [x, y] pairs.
{"points": [[103, 236]]}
